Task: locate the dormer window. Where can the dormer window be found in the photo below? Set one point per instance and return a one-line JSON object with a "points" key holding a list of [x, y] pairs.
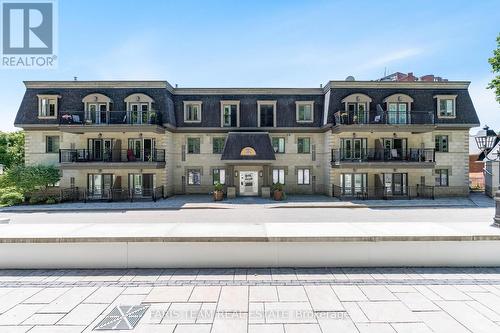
{"points": [[304, 111], [139, 108], [446, 105], [398, 107], [47, 106], [266, 113], [357, 108], [96, 108], [230, 113], [192, 112]]}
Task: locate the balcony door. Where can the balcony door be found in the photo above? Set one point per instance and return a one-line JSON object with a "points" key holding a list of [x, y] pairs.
{"points": [[96, 113], [398, 113], [139, 113], [100, 149], [353, 183], [353, 149], [395, 149], [141, 149], [99, 185], [358, 113], [396, 183], [141, 184]]}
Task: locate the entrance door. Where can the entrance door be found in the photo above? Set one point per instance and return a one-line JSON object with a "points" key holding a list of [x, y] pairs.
{"points": [[249, 183]]}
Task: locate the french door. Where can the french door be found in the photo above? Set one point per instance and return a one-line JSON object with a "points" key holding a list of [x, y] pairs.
{"points": [[398, 113], [99, 185], [353, 183], [100, 149], [142, 149], [358, 113], [96, 113], [353, 149], [396, 183], [395, 149], [139, 113], [141, 184]]}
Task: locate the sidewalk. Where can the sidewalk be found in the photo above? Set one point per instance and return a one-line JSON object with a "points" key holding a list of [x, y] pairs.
{"points": [[293, 201]]}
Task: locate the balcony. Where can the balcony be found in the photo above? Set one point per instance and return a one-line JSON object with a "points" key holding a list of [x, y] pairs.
{"points": [[384, 118], [103, 118], [376, 155], [383, 192], [113, 157]]}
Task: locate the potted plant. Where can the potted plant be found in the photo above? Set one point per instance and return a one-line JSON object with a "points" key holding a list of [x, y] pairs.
{"points": [[278, 191], [218, 191]]}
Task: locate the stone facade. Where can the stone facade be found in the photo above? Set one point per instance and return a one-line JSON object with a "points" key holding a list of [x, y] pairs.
{"points": [[325, 135]]}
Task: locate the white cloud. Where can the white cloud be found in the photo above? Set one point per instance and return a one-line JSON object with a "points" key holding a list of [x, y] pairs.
{"points": [[390, 57]]}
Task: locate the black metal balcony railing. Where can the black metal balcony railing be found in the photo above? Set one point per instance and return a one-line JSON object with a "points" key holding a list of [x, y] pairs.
{"points": [[385, 117], [382, 155], [124, 194], [110, 118], [113, 155], [383, 192]]}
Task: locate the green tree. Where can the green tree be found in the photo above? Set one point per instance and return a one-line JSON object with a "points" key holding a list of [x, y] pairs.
{"points": [[28, 179], [495, 65], [11, 148]]}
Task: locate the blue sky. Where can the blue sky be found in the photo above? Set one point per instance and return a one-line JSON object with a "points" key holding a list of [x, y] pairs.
{"points": [[269, 44]]}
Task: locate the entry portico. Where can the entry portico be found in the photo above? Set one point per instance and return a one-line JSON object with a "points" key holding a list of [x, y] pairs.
{"points": [[248, 157]]}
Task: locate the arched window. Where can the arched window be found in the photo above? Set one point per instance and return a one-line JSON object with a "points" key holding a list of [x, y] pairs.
{"points": [[96, 108], [357, 107], [139, 108], [398, 108]]}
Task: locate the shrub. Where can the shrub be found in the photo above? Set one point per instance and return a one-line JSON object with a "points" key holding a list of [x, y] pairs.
{"points": [[218, 186], [277, 187], [11, 198], [34, 200], [51, 201], [28, 179]]}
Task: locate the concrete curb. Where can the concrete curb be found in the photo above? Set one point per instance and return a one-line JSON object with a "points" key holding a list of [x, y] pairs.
{"points": [[4, 221], [100, 209]]}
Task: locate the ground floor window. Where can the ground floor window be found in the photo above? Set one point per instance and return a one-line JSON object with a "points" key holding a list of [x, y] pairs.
{"points": [[352, 183], [441, 177], [219, 176], [303, 177], [279, 176], [194, 177], [396, 183]]}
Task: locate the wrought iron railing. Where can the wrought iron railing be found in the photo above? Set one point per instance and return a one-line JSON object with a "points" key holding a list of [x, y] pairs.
{"points": [[384, 117], [124, 194], [383, 192], [382, 155], [110, 118], [111, 155]]}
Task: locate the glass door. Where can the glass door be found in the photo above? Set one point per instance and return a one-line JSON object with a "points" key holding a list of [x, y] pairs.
{"points": [[107, 152], [139, 113], [95, 149], [357, 153], [134, 151], [92, 116], [135, 183], [398, 113], [149, 150]]}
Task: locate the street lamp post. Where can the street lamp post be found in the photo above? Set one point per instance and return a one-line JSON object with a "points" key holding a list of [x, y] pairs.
{"points": [[485, 141]]}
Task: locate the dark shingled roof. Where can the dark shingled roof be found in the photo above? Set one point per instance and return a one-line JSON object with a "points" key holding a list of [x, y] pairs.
{"points": [[423, 100], [235, 142]]}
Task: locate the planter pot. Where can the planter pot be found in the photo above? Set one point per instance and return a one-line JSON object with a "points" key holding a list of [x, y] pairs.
{"points": [[218, 195], [278, 195]]}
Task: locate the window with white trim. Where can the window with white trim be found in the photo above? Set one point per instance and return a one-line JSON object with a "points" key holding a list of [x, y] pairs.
{"points": [[305, 112], [279, 176], [267, 113], [47, 106], [278, 145], [192, 112], [446, 106], [52, 144], [441, 177], [230, 114], [194, 177], [303, 177], [219, 176]]}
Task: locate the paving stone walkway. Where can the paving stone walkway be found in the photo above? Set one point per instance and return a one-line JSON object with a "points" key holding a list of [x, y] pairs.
{"points": [[285, 300]]}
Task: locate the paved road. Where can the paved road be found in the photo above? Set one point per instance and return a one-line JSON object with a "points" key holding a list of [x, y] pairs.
{"points": [[257, 215], [283, 300]]}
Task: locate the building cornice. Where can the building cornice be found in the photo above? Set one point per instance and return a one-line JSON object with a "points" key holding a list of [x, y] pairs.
{"points": [[98, 84], [398, 84], [248, 91]]}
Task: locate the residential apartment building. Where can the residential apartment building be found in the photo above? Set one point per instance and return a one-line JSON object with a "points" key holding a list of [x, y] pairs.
{"points": [[346, 139]]}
